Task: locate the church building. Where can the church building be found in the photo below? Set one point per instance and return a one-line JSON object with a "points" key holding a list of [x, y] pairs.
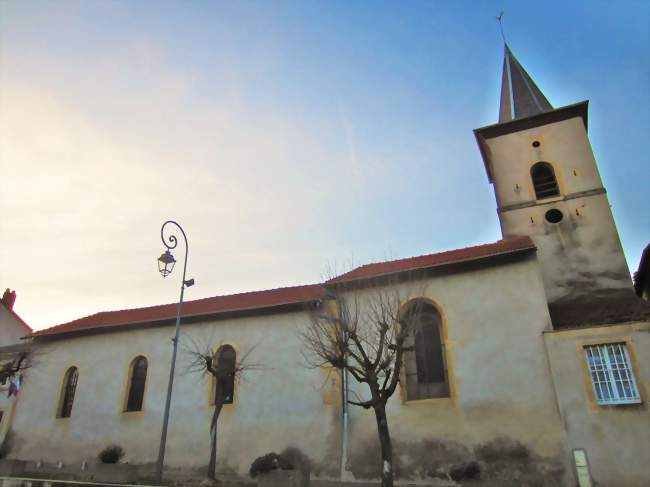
{"points": [[534, 370]]}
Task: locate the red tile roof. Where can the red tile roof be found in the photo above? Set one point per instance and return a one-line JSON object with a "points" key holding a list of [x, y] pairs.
{"points": [[207, 306], [284, 296], [501, 247]]}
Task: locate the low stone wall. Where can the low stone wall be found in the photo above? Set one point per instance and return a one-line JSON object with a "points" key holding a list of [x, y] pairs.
{"points": [[118, 473]]}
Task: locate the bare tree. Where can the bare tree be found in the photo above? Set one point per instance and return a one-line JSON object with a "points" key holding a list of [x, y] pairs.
{"points": [[365, 334], [225, 370], [15, 367]]}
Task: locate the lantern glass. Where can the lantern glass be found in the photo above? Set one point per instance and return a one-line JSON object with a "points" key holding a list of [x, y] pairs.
{"points": [[166, 263]]}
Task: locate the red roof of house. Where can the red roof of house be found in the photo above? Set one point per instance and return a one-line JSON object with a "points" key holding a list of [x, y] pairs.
{"points": [[501, 247], [207, 306], [284, 296]]}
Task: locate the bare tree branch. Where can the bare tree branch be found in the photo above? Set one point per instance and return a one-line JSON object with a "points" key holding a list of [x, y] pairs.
{"points": [[205, 360], [14, 367], [361, 331]]}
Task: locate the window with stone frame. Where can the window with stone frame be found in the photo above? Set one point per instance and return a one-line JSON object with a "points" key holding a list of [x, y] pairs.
{"points": [[137, 382], [612, 377], [69, 388], [226, 359], [425, 367]]}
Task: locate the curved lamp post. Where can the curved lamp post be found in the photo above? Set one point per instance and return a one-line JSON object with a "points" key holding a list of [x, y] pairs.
{"points": [[166, 264]]}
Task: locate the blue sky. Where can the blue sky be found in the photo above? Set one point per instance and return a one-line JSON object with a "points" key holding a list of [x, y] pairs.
{"points": [[286, 137]]}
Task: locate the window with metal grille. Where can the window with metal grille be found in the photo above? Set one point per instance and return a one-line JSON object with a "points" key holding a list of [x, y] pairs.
{"points": [[611, 374], [226, 358], [424, 362], [69, 387], [544, 180], [137, 383]]}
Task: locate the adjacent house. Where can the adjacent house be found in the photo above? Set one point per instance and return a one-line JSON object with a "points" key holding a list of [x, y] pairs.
{"points": [[13, 359]]}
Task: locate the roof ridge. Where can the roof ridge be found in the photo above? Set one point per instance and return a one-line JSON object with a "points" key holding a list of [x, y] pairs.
{"points": [[253, 292], [138, 308], [159, 307], [442, 252]]}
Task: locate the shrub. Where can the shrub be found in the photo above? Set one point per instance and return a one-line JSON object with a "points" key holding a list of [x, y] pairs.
{"points": [[270, 461], [297, 459], [5, 448], [503, 449], [111, 454], [470, 470]]}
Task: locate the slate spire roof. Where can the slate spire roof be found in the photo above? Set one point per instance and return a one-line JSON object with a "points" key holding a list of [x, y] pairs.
{"points": [[520, 96]]}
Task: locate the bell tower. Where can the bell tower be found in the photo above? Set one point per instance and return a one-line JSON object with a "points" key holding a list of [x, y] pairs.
{"points": [[547, 186]]}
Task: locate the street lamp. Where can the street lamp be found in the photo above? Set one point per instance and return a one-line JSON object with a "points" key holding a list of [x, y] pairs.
{"points": [[165, 266], [166, 263]]}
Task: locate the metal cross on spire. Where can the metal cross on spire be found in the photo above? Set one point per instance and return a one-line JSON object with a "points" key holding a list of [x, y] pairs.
{"points": [[499, 17]]}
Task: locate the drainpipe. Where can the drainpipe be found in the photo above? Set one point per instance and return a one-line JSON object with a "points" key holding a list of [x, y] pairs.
{"points": [[330, 295], [346, 424], [345, 436]]}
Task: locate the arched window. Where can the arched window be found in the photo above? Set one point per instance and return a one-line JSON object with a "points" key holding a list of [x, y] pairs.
{"points": [[226, 359], [69, 386], [424, 365], [136, 384], [544, 180]]}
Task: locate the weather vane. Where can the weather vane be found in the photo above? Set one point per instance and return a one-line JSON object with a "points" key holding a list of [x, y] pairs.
{"points": [[503, 36]]}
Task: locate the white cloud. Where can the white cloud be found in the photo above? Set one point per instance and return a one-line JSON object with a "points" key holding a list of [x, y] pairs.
{"points": [[91, 169]]}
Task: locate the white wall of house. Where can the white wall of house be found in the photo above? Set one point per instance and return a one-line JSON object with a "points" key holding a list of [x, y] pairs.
{"points": [[616, 438], [11, 330]]}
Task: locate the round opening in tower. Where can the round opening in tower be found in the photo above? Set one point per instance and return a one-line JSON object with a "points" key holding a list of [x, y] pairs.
{"points": [[536, 143], [554, 216]]}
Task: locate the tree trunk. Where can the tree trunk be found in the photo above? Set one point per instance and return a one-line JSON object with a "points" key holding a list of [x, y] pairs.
{"points": [[212, 466], [386, 447]]}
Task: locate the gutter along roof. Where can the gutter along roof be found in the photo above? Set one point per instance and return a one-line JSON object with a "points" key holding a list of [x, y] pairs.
{"points": [[273, 298]]}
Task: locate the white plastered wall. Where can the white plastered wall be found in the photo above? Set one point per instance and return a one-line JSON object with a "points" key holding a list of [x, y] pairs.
{"points": [[616, 439], [284, 404], [11, 332], [582, 255], [498, 369]]}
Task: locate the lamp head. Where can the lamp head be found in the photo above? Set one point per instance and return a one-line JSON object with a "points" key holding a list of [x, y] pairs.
{"points": [[166, 263]]}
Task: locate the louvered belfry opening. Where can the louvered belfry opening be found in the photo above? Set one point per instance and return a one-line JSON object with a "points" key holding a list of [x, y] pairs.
{"points": [[544, 180]]}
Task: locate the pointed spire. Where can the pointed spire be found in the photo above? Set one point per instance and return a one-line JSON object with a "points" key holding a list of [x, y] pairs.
{"points": [[520, 96]]}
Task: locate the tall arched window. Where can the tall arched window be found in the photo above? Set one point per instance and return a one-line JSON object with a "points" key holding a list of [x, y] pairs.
{"points": [[425, 364], [226, 359], [544, 180], [136, 384], [69, 387]]}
